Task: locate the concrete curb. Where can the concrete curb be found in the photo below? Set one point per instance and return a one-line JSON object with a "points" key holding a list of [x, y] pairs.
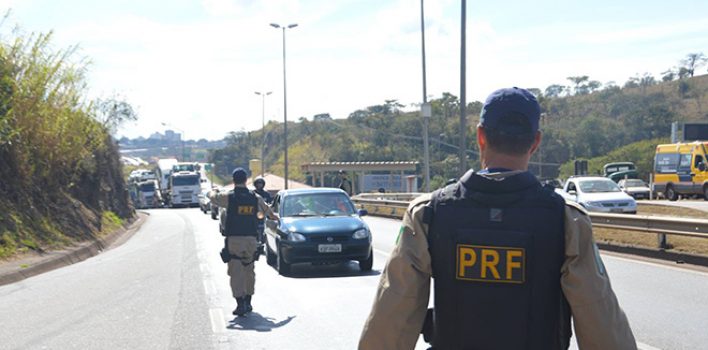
{"points": [[57, 259]]}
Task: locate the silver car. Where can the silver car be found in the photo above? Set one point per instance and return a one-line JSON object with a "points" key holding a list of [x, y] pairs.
{"points": [[599, 194], [635, 188]]}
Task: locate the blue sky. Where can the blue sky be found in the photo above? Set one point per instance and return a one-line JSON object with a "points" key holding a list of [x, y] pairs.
{"points": [[196, 64]]}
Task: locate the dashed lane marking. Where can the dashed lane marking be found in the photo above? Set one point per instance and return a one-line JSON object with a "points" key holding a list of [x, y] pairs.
{"points": [[643, 346], [218, 324]]}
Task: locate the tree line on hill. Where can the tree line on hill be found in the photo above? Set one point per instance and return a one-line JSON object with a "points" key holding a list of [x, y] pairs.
{"points": [[583, 120]]}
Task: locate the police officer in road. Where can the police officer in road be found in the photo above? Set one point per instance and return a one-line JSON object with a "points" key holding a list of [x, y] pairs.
{"points": [[243, 211], [259, 183], [344, 183], [512, 261]]}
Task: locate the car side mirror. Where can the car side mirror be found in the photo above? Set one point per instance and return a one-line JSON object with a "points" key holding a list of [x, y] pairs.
{"points": [[572, 193], [702, 166], [362, 212]]}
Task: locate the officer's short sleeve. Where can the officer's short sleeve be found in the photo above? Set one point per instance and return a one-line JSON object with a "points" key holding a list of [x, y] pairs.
{"points": [[264, 208], [402, 298], [221, 199], [598, 320]]}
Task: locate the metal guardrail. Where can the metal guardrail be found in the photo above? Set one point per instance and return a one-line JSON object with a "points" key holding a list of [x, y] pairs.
{"points": [[382, 205]]}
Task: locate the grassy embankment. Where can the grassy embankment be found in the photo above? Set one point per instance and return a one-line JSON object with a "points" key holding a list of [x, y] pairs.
{"points": [[60, 168]]}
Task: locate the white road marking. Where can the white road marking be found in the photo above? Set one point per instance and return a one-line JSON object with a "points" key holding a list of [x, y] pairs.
{"points": [[209, 287], [643, 346], [386, 254], [217, 320]]}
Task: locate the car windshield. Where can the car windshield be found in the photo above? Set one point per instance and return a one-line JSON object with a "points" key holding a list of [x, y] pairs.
{"points": [[318, 204], [594, 186], [185, 180], [634, 183]]}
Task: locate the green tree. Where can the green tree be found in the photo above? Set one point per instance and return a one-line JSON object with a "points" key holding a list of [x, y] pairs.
{"points": [[693, 61]]}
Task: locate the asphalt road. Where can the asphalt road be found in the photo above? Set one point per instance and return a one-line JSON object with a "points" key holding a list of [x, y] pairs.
{"points": [[166, 288]]}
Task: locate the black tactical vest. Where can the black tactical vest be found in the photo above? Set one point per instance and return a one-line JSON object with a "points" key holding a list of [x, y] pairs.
{"points": [[265, 195], [497, 247], [242, 213]]}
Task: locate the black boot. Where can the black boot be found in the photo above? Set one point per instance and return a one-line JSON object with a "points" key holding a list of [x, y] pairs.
{"points": [[240, 307], [247, 299]]}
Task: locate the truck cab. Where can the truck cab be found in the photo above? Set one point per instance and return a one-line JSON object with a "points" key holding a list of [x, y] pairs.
{"points": [[184, 188]]}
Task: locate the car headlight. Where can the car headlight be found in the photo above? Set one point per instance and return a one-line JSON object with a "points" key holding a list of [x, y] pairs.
{"points": [[361, 234], [295, 237], [592, 204]]}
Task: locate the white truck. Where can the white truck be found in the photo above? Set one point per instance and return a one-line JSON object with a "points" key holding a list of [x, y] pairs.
{"points": [[147, 194], [184, 188], [163, 171]]}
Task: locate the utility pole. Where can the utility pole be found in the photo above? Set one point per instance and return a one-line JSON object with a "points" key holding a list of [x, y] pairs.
{"points": [[425, 107], [463, 100]]}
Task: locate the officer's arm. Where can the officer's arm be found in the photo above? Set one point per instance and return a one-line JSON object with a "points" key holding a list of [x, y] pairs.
{"points": [[402, 298], [265, 208], [598, 320], [221, 199]]}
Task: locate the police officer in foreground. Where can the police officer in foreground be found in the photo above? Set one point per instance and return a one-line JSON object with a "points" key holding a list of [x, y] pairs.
{"points": [[512, 261], [243, 211]]}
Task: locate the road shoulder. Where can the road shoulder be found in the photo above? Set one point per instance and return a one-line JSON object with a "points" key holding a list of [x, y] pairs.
{"points": [[18, 269]]}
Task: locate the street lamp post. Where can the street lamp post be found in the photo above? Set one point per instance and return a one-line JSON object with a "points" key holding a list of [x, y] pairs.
{"points": [[263, 95], [285, 101]]}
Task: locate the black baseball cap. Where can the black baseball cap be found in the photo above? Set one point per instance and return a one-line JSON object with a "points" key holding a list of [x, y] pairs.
{"points": [[511, 111], [240, 175]]}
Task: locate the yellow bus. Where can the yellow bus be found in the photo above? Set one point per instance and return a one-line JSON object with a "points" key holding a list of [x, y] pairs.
{"points": [[680, 169]]}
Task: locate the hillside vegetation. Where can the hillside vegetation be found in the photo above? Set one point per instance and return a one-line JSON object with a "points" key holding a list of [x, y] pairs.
{"points": [[60, 169], [578, 122]]}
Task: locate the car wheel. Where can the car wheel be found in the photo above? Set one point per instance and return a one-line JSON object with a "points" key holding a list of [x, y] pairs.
{"points": [[270, 256], [671, 193], [366, 264], [213, 215], [705, 192], [283, 267]]}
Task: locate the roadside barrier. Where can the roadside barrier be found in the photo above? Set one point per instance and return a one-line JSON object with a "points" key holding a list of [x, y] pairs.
{"points": [[393, 205]]}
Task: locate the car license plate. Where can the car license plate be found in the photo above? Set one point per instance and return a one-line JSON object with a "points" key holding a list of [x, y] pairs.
{"points": [[616, 210], [329, 248]]}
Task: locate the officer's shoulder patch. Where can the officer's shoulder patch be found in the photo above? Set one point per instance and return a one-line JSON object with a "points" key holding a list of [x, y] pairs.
{"points": [[576, 206]]}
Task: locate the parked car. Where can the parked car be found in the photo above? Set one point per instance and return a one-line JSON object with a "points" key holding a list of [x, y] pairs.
{"points": [[636, 188], [599, 194], [317, 225]]}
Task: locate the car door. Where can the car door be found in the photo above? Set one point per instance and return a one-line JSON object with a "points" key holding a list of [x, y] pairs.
{"points": [[699, 177], [271, 226]]}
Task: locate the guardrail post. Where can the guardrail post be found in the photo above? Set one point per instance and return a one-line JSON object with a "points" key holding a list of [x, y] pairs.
{"points": [[662, 241]]}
